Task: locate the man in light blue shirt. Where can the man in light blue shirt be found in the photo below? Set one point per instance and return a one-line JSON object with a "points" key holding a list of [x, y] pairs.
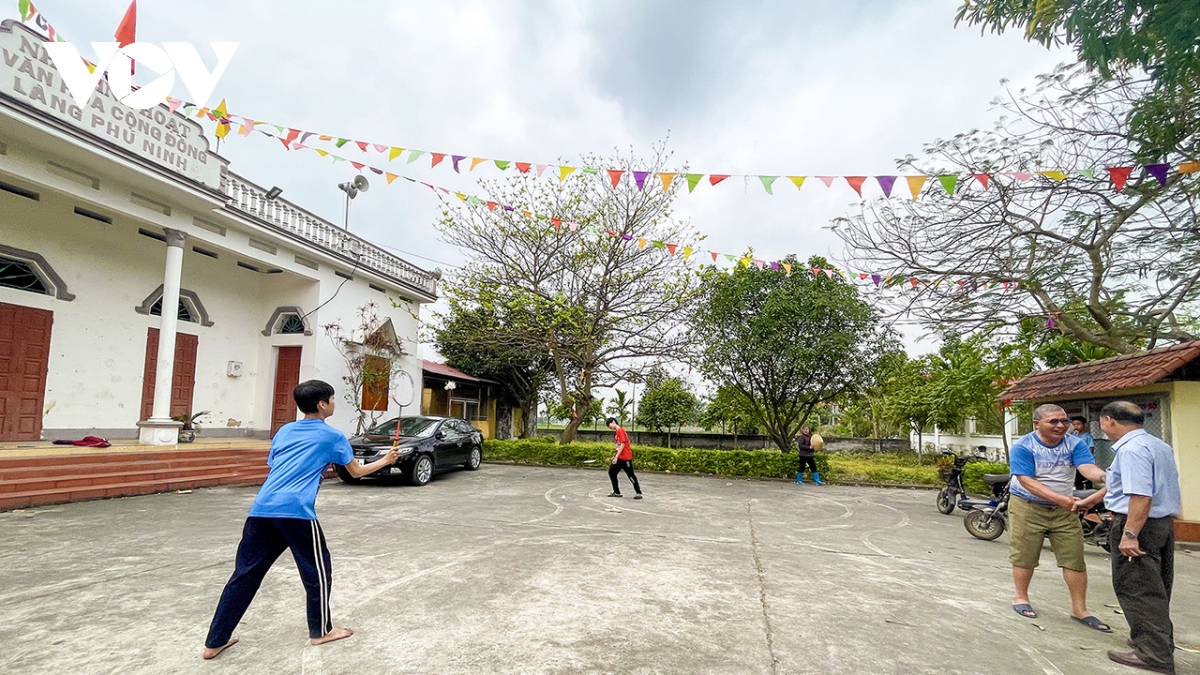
{"points": [[1143, 495]]}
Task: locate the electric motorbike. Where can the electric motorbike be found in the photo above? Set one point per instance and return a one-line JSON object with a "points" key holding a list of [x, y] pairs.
{"points": [[988, 519], [950, 495]]}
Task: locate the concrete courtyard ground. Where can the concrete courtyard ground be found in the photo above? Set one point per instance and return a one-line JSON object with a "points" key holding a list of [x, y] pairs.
{"points": [[532, 570]]}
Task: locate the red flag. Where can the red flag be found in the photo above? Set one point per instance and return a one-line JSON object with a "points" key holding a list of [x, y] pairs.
{"points": [[856, 182], [1119, 174], [127, 32], [615, 175], [671, 248], [982, 178], [715, 178], [436, 158], [523, 167]]}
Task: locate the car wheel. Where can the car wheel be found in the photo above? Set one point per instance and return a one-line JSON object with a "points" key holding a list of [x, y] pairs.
{"points": [[475, 460], [345, 476], [422, 470]]}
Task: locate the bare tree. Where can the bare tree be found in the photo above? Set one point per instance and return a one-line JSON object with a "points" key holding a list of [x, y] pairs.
{"points": [[1114, 269], [571, 267], [373, 359]]}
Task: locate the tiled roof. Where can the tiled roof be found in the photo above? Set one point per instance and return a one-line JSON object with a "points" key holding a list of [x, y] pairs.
{"points": [[1119, 372], [443, 370]]}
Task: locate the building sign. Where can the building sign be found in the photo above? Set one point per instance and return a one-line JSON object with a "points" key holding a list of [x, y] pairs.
{"points": [[28, 77]]}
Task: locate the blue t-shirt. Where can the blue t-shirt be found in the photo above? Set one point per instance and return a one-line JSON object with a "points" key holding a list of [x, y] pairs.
{"points": [[1053, 466], [300, 452]]}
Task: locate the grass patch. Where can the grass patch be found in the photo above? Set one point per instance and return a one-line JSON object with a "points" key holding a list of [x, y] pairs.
{"points": [[872, 468]]}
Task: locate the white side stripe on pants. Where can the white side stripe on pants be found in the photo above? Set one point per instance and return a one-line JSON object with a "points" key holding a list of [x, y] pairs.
{"points": [[322, 582]]}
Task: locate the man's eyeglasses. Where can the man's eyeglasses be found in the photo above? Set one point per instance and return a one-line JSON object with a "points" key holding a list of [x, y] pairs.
{"points": [[1057, 423]]}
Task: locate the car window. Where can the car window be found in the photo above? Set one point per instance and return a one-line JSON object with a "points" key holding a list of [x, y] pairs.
{"points": [[410, 427]]}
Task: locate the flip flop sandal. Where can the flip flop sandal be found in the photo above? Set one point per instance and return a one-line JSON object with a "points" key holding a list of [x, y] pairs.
{"points": [[1028, 612], [1094, 623]]}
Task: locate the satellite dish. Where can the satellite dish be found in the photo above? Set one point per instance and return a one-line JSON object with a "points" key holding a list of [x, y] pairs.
{"points": [[361, 184]]}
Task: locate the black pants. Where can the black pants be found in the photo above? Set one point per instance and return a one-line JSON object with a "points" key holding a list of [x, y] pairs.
{"points": [[1082, 483], [810, 462], [1143, 588], [627, 465], [263, 541]]}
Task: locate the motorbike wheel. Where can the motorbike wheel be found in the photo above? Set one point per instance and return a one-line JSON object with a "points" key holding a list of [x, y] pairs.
{"points": [[984, 525], [945, 501]]}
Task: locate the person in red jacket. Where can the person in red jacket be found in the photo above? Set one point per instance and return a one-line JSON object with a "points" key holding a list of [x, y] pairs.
{"points": [[622, 459]]}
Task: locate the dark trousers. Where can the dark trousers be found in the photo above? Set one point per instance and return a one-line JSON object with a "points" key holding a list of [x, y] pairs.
{"points": [[1143, 587], [263, 541], [810, 462], [627, 465], [1082, 483]]}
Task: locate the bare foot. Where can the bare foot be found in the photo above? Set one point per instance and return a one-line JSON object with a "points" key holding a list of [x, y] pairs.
{"points": [[210, 653], [335, 634]]}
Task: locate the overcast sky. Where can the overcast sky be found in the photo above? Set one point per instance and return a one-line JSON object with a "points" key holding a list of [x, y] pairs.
{"points": [[801, 87]]}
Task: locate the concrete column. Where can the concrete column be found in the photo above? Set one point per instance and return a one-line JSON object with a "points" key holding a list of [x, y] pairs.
{"points": [[160, 429]]}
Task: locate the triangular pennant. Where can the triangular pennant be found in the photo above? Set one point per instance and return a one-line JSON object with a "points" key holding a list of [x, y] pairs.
{"points": [[982, 178], [775, 266], [436, 158], [414, 154], [715, 178], [876, 278], [540, 168], [492, 206], [746, 262], [523, 167], [816, 272], [729, 257], [337, 159], [627, 237], [1189, 167], [321, 152], [378, 172], [915, 183], [714, 255], [222, 130], [1021, 175], [1159, 171], [1118, 175], [362, 145], [1053, 175], [1087, 173], [863, 276], [502, 164], [394, 153], [658, 244], [639, 177], [461, 196], [949, 182], [174, 103], [827, 180], [390, 177], [913, 281], [885, 184], [476, 161], [591, 170], [693, 179], [828, 273], [564, 171], [671, 248], [760, 264], [798, 181], [856, 182], [615, 176], [379, 148], [340, 142], [642, 243], [767, 181], [666, 177], [787, 268], [687, 252], [573, 227], [455, 159], [527, 214], [357, 165], [556, 222], [221, 111]]}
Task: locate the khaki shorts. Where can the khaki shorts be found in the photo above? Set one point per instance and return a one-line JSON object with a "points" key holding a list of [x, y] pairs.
{"points": [[1030, 524]]}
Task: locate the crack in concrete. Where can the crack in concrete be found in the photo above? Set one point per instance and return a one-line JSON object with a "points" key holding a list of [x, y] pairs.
{"points": [[762, 590]]}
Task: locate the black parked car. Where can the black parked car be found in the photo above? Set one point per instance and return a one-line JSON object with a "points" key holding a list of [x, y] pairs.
{"points": [[427, 445]]}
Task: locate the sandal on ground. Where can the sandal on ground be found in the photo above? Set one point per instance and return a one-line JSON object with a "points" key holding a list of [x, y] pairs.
{"points": [[1025, 611], [1093, 623]]}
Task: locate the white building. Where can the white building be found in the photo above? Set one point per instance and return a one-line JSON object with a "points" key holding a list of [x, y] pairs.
{"points": [[106, 215]]}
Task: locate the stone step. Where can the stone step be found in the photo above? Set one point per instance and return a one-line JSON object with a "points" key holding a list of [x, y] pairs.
{"points": [[112, 474], [80, 466], [28, 498], [119, 457]]}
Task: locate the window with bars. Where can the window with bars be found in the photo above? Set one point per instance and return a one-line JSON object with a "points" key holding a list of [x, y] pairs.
{"points": [[21, 276], [185, 314], [291, 324]]}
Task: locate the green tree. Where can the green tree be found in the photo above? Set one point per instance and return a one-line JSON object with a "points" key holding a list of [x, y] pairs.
{"points": [[1115, 38], [667, 403], [730, 411], [619, 407], [476, 341], [785, 342], [587, 292]]}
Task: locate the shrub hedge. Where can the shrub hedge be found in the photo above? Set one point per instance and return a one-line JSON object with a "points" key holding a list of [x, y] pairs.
{"points": [[876, 468], [973, 475]]}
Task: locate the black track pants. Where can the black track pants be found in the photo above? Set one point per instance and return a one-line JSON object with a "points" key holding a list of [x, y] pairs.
{"points": [[263, 541], [627, 465]]}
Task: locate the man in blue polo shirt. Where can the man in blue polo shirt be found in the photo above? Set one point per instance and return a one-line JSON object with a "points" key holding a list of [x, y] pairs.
{"points": [[283, 517], [1144, 498], [1043, 465]]}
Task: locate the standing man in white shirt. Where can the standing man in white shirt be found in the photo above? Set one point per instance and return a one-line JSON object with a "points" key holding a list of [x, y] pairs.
{"points": [[1144, 497]]}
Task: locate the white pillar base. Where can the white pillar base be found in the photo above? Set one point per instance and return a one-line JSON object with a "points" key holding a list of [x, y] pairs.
{"points": [[158, 431]]}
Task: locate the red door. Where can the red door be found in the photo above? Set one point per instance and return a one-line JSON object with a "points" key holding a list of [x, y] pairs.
{"points": [[24, 358], [183, 381], [287, 376]]}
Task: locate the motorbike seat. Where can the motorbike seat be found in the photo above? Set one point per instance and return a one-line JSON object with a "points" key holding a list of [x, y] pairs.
{"points": [[996, 478]]}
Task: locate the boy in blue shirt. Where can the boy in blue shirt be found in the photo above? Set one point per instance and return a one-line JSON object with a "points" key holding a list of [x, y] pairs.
{"points": [[283, 517]]}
